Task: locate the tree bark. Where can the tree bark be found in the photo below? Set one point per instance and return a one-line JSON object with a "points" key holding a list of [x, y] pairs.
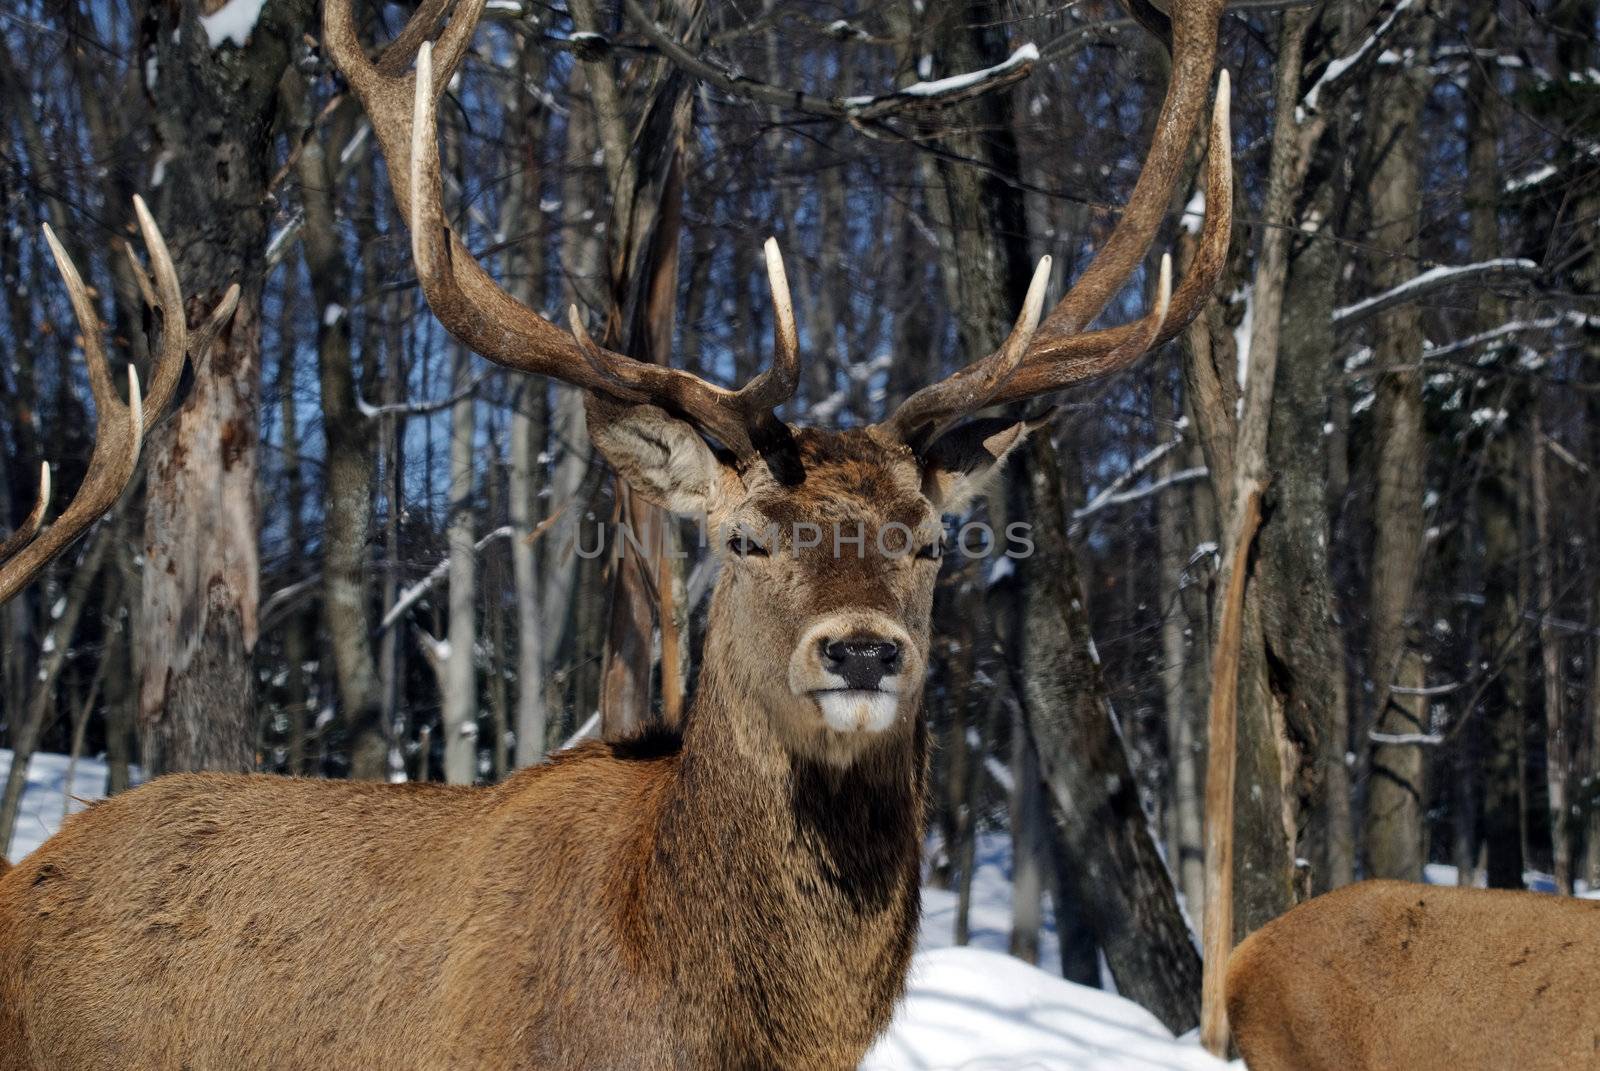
{"points": [[350, 467], [1557, 755], [460, 678], [1396, 794], [213, 124], [1027, 846], [1179, 643], [1504, 700]]}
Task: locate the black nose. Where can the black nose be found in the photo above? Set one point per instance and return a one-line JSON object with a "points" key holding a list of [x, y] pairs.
{"points": [[863, 662]]}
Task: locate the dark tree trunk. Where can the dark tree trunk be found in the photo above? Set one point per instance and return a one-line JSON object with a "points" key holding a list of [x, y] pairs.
{"points": [[1395, 790], [1122, 882]]}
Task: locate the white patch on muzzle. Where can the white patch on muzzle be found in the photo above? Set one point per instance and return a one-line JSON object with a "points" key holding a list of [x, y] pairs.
{"points": [[858, 711]]}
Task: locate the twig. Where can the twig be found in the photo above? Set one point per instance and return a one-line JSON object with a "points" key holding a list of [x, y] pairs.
{"points": [[411, 595]]}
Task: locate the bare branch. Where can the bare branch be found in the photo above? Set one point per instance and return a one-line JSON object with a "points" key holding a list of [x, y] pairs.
{"points": [[411, 595], [1444, 277], [923, 95]]}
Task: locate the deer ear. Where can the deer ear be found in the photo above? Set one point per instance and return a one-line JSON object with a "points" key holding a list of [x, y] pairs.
{"points": [[661, 457], [958, 467]]}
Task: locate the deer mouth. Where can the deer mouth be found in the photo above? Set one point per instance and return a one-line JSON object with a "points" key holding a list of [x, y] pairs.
{"points": [[857, 710]]}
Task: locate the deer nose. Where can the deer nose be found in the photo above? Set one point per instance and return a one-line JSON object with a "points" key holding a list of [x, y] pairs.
{"points": [[863, 662]]}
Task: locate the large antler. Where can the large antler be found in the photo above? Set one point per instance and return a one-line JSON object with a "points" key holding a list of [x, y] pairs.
{"points": [[121, 427], [1061, 352], [472, 306]]}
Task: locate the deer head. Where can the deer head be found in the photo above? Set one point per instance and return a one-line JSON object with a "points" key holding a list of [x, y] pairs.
{"points": [[849, 629]]}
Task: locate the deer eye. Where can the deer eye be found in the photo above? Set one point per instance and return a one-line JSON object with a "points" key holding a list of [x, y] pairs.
{"points": [[931, 551], [744, 546]]}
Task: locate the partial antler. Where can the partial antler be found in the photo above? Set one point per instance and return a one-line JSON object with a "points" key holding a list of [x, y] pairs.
{"points": [[121, 427], [1061, 352], [472, 306]]}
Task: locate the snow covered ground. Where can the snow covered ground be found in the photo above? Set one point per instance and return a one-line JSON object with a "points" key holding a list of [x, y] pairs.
{"points": [[978, 1009], [46, 795], [968, 1009]]}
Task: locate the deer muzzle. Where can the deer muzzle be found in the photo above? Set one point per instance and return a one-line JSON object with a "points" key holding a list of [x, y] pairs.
{"points": [[857, 666]]}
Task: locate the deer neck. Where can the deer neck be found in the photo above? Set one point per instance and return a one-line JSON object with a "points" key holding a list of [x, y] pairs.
{"points": [[769, 862]]}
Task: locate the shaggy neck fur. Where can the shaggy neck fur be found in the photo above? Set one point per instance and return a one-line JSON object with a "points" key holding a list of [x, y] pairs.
{"points": [[792, 883]]}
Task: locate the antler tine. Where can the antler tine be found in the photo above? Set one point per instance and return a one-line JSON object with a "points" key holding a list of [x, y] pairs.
{"points": [[168, 368], [401, 106], [121, 427], [118, 436], [1055, 361], [30, 527], [116, 454], [469, 303], [777, 384], [925, 415], [1194, 35], [89, 327], [1061, 351], [165, 296]]}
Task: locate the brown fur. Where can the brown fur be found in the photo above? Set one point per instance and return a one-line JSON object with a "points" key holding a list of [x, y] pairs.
{"points": [[748, 899], [1389, 975]]}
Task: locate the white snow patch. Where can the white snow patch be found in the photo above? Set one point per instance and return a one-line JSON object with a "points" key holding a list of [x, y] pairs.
{"points": [[233, 22], [46, 794], [1532, 178], [1338, 67], [976, 1010], [1194, 213], [1241, 337]]}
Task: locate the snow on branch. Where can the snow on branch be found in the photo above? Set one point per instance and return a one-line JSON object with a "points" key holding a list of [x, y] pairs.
{"points": [[1542, 173], [851, 109], [1145, 490], [422, 408], [1441, 278], [943, 91], [1117, 493], [1339, 67], [1404, 739], [409, 597]]}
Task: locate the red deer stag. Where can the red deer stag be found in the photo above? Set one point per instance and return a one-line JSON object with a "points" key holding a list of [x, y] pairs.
{"points": [[745, 896], [1385, 975]]}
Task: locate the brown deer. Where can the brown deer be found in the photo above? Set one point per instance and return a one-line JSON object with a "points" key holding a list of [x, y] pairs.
{"points": [[1388, 975], [743, 895]]}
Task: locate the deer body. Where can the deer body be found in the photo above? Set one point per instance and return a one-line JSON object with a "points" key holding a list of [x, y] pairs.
{"points": [[1389, 975], [722, 904], [747, 899]]}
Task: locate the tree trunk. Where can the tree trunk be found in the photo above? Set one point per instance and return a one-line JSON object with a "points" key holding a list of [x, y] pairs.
{"points": [[1122, 881], [1557, 755], [1396, 795], [299, 630], [1503, 701], [460, 677], [213, 124], [350, 467], [1027, 846], [1179, 643]]}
